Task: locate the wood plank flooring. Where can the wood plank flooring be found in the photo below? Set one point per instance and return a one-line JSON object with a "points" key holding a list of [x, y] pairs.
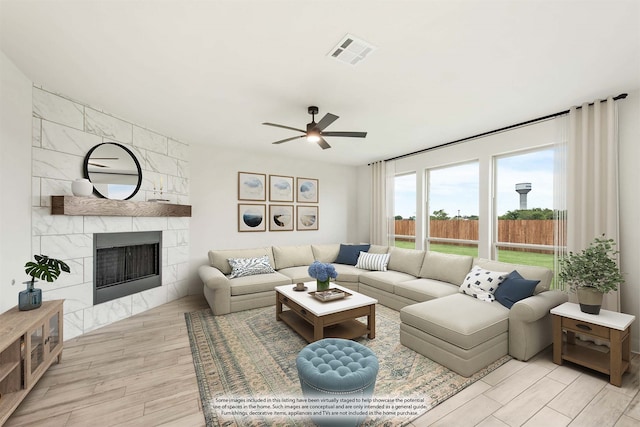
{"points": [[139, 372]]}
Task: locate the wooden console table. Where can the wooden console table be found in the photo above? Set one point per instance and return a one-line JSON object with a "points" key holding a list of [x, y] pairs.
{"points": [[608, 326], [29, 343]]}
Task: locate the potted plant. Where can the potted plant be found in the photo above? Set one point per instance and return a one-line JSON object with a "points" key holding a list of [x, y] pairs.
{"points": [[322, 272], [44, 268], [592, 273]]}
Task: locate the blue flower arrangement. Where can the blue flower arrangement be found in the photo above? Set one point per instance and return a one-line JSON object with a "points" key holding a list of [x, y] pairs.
{"points": [[322, 272]]}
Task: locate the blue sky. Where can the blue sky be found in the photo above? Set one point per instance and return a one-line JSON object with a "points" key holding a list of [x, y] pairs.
{"points": [[456, 188]]}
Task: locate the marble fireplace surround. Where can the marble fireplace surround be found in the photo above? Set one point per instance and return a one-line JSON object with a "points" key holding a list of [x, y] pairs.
{"points": [[64, 130]]}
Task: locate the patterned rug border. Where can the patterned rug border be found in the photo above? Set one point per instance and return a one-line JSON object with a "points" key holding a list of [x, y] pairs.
{"points": [[209, 366]]}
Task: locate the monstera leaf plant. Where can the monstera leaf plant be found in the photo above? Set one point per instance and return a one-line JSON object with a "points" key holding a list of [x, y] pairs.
{"points": [[45, 268]]}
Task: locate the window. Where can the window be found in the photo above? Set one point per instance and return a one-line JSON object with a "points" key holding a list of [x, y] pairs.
{"points": [[405, 210], [453, 195], [524, 232]]}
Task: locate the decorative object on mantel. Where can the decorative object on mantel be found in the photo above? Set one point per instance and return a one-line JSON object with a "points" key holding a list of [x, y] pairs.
{"points": [[592, 273], [44, 268], [323, 273], [81, 187], [90, 206]]}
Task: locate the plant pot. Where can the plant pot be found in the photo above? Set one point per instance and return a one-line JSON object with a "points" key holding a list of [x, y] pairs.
{"points": [[590, 300], [30, 298], [322, 285]]}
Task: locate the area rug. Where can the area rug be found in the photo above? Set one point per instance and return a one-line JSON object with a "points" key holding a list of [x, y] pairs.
{"points": [[247, 376]]}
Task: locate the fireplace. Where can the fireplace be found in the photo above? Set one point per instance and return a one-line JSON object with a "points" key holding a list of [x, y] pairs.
{"points": [[125, 264]]}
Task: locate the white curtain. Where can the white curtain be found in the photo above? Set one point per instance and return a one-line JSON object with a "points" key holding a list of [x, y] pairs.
{"points": [[592, 179], [560, 197], [382, 226]]}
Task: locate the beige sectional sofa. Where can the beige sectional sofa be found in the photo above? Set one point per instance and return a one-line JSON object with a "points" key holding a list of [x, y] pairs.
{"points": [[454, 329]]}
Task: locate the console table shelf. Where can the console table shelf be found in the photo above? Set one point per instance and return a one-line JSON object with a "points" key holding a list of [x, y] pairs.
{"points": [[88, 206], [30, 341]]}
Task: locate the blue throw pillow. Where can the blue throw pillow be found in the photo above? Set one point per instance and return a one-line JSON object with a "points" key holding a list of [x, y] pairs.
{"points": [[514, 288], [349, 253]]}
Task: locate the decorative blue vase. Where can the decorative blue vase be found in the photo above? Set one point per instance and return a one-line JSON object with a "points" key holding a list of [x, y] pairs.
{"points": [[30, 298]]}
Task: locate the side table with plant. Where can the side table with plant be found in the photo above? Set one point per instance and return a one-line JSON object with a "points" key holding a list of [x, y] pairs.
{"points": [[592, 273], [44, 268]]}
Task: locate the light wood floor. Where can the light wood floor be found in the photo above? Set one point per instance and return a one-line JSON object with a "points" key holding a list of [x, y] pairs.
{"points": [[139, 372]]}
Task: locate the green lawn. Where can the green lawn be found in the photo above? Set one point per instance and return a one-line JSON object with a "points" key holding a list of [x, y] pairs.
{"points": [[514, 257]]}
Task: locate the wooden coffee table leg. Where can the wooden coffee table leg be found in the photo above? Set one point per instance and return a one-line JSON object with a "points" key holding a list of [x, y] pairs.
{"points": [[278, 307], [371, 321], [318, 329]]}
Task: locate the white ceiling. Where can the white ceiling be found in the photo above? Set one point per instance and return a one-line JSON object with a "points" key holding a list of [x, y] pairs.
{"points": [[210, 72]]}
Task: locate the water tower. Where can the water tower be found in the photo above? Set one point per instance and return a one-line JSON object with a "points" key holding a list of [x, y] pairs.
{"points": [[522, 189]]}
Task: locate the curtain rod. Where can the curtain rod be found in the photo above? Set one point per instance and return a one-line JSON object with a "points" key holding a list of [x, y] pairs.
{"points": [[528, 122]]}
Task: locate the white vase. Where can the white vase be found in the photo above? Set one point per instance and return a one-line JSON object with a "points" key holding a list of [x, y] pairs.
{"points": [[81, 187]]}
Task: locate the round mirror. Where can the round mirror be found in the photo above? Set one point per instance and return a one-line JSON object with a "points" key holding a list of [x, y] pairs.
{"points": [[113, 170]]}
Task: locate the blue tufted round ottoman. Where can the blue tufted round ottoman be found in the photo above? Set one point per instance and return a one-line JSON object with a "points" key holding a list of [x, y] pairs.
{"points": [[340, 373]]}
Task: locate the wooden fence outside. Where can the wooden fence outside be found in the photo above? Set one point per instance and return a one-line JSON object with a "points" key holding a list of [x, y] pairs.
{"points": [[532, 231]]}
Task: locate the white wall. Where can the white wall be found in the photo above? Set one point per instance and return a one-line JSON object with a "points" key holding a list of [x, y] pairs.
{"points": [[214, 194], [15, 181]]}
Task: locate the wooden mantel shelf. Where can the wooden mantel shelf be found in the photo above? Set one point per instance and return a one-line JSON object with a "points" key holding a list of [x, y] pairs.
{"points": [[71, 205]]}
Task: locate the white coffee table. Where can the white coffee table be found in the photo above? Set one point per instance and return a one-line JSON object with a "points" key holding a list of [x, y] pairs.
{"points": [[314, 319]]}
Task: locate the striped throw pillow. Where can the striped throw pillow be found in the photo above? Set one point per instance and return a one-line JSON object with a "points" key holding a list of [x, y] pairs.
{"points": [[377, 262], [241, 267]]}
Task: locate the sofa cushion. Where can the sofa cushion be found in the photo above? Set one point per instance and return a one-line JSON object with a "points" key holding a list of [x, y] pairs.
{"points": [[514, 288], [241, 267], [458, 319], [255, 284], [348, 273], [297, 274], [425, 289], [384, 280], [446, 267], [219, 258], [376, 262], [325, 253], [292, 256], [406, 260], [348, 254], [530, 272], [481, 283], [378, 249]]}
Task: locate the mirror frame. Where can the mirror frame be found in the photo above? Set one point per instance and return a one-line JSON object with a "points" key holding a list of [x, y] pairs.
{"points": [[129, 152]]}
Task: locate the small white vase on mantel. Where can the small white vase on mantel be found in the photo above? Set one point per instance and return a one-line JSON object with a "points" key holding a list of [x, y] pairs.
{"points": [[81, 187]]}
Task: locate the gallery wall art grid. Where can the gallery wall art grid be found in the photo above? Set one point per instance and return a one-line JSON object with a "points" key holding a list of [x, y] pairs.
{"points": [[282, 214]]}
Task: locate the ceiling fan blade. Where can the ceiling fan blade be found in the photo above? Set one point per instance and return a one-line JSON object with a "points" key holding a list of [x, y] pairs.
{"points": [[326, 121], [284, 127], [347, 134], [289, 139], [322, 143]]}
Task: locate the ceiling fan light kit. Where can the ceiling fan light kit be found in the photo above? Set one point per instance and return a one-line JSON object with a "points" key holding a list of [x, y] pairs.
{"points": [[315, 131]]}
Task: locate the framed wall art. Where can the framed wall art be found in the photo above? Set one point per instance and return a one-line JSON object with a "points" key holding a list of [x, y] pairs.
{"points": [[252, 217], [307, 189], [281, 218], [307, 218], [252, 186], [280, 188]]}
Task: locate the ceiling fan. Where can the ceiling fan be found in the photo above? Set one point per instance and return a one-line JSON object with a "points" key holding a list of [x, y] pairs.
{"points": [[315, 131]]}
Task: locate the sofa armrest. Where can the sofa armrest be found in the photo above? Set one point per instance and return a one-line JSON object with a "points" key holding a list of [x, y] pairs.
{"points": [[530, 324], [537, 306], [217, 289]]}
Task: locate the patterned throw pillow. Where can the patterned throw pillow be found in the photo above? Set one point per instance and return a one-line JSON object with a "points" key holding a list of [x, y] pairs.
{"points": [[241, 267], [377, 262], [481, 283]]}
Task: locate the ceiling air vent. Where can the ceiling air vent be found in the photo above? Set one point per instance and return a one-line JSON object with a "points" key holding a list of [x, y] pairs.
{"points": [[351, 50]]}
